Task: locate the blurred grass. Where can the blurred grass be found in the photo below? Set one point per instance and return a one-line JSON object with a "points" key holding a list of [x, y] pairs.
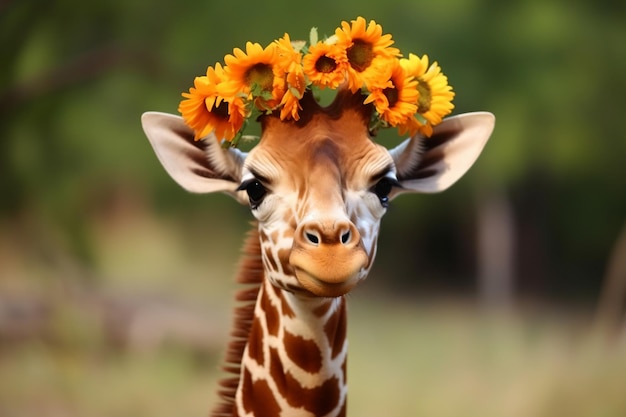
{"points": [[450, 359], [37, 381]]}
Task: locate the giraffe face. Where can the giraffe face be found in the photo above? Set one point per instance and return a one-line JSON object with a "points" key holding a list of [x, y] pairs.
{"points": [[318, 192]]}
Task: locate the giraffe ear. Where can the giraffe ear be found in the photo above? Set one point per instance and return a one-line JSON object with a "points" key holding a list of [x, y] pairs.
{"points": [[431, 165], [201, 166]]}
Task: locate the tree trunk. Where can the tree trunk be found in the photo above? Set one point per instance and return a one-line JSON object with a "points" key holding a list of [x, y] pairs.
{"points": [[495, 249], [610, 315]]}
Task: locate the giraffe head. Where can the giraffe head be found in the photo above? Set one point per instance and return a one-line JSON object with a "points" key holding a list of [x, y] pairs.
{"points": [[319, 186]]}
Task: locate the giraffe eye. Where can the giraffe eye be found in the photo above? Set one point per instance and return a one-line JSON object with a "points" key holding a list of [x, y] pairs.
{"points": [[383, 188], [256, 191]]}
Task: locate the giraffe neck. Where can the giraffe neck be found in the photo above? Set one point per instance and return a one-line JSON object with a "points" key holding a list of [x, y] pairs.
{"points": [[294, 362]]}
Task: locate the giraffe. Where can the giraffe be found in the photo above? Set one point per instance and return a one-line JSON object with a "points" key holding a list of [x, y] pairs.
{"points": [[317, 188]]}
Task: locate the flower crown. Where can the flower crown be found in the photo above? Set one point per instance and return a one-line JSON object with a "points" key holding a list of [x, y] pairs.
{"points": [[406, 93]]}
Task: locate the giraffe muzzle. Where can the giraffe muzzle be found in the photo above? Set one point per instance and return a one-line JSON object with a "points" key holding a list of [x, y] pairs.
{"points": [[328, 257]]}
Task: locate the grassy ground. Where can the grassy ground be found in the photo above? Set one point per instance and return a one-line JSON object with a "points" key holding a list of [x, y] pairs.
{"points": [[449, 360]]}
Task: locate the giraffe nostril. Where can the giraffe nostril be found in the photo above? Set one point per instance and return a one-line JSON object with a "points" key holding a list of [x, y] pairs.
{"points": [[345, 237], [312, 238]]}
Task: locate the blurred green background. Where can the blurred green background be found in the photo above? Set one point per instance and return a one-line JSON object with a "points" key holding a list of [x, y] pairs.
{"points": [[115, 285]]}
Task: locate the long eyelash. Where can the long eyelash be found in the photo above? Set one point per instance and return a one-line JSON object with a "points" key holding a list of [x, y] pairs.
{"points": [[395, 182], [383, 173], [245, 184]]}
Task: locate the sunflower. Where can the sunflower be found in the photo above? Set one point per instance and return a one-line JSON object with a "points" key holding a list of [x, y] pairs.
{"points": [[435, 95], [326, 65], [205, 111], [397, 103], [368, 52], [254, 74]]}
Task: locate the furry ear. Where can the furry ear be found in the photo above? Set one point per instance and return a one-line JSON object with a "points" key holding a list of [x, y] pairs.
{"points": [[198, 166], [431, 165]]}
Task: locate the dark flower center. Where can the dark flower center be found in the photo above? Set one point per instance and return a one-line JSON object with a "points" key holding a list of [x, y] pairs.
{"points": [[221, 111], [325, 65], [392, 95], [360, 55], [260, 75]]}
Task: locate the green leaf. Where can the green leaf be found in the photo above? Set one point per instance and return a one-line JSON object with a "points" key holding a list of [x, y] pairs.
{"points": [[421, 119], [296, 93], [313, 38], [299, 46], [376, 123], [259, 92]]}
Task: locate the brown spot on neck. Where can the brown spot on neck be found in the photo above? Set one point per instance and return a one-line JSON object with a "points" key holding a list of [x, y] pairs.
{"points": [[255, 343], [304, 353], [336, 330]]}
